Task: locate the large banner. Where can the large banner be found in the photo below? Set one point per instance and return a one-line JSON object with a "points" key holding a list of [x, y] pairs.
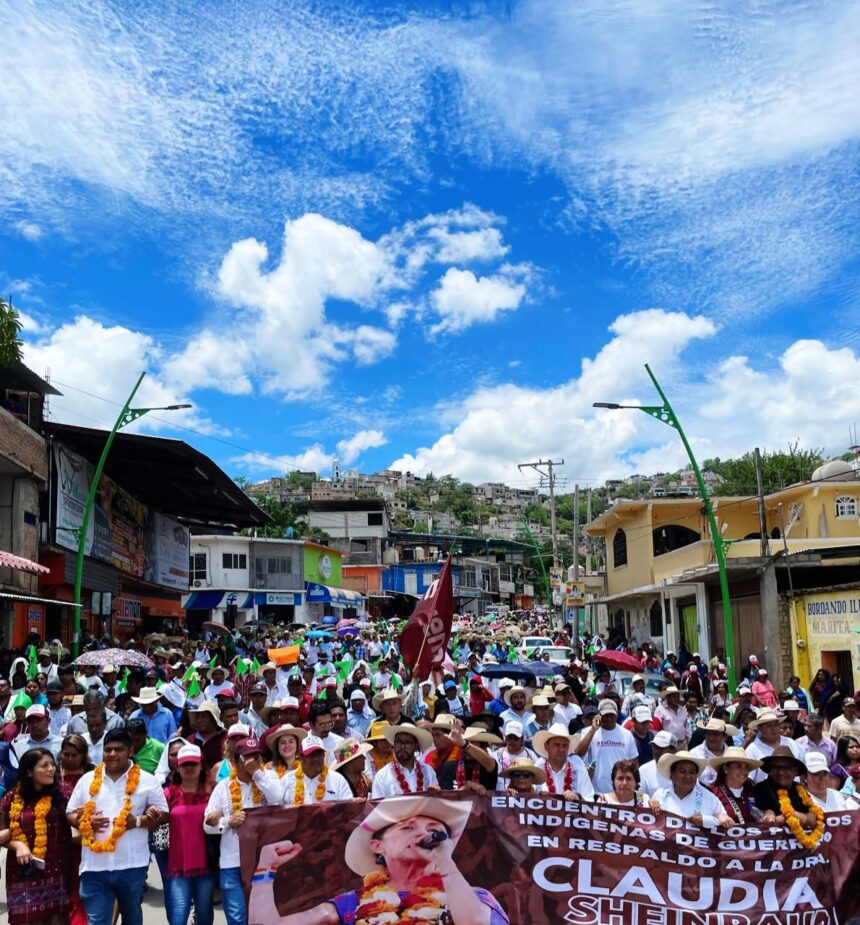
{"points": [[121, 531], [525, 861]]}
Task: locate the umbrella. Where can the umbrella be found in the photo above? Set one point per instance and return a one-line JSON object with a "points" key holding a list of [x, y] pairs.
{"points": [[319, 634], [214, 627], [541, 669], [515, 672], [330, 620], [620, 660], [348, 631], [254, 623], [129, 658], [347, 621]]}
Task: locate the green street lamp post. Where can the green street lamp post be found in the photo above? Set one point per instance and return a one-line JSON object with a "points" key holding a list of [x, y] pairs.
{"points": [[666, 415], [126, 416]]}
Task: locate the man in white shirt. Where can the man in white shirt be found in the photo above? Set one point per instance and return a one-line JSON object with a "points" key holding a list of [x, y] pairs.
{"points": [[565, 772], [60, 713], [405, 773], [513, 749], [47, 666], [766, 725], [223, 818], [119, 875], [605, 743], [516, 698], [565, 710], [316, 776], [719, 735], [650, 778], [38, 735], [320, 724], [672, 715], [637, 697], [217, 682], [847, 724]]}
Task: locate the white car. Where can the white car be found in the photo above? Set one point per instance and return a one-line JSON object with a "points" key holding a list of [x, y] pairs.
{"points": [[528, 644], [558, 655]]}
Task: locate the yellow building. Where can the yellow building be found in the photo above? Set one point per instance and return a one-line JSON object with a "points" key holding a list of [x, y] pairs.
{"points": [[662, 581]]}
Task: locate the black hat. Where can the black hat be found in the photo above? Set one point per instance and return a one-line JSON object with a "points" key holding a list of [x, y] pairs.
{"points": [[54, 687]]}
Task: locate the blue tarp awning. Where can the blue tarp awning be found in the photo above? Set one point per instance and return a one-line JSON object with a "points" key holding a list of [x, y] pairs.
{"points": [[324, 594]]}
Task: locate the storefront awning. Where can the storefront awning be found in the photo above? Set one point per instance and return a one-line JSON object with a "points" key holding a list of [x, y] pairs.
{"points": [[19, 562], [324, 594], [243, 600], [8, 595]]}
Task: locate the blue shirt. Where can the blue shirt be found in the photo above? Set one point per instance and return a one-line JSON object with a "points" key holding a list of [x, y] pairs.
{"points": [[160, 725]]}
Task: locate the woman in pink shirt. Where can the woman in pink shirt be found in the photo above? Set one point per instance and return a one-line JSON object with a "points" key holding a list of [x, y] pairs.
{"points": [[190, 878], [763, 694]]}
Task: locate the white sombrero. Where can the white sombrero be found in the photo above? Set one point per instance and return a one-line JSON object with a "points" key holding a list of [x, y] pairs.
{"points": [[361, 858], [555, 731], [422, 736]]}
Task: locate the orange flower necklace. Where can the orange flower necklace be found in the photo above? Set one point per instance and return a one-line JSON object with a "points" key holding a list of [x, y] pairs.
{"points": [[16, 810], [319, 793], [88, 837], [378, 902], [810, 841], [236, 792]]}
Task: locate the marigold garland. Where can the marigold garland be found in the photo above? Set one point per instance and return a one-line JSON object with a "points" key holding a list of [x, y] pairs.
{"points": [[236, 793], [379, 902], [42, 808], [809, 841], [88, 839], [319, 793]]}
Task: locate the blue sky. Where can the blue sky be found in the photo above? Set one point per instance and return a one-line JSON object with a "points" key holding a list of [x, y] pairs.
{"points": [[432, 234]]}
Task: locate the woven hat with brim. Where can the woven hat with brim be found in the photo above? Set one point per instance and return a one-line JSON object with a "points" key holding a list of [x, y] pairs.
{"points": [[285, 730], [383, 696], [349, 750], [669, 690], [443, 722], [792, 706], [422, 736], [782, 751], [734, 753], [718, 725], [506, 683], [516, 689], [667, 762], [268, 666], [555, 731], [361, 858], [220, 668], [539, 701], [476, 734], [766, 716], [525, 764], [376, 733], [212, 710], [147, 695]]}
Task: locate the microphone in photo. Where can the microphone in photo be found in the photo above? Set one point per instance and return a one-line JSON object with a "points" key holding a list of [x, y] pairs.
{"points": [[433, 839]]}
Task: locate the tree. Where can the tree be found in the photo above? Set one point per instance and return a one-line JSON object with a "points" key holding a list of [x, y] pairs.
{"points": [[10, 329], [779, 469]]}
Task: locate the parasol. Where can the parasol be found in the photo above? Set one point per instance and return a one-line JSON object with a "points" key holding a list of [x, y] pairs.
{"points": [[541, 669], [214, 627], [514, 672], [348, 631], [319, 634], [619, 660], [329, 620], [128, 658]]}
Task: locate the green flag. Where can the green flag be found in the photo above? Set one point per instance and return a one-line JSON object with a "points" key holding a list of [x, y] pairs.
{"points": [[213, 661], [241, 667], [255, 666], [396, 683], [343, 670], [188, 674], [159, 684], [512, 654], [122, 685], [464, 683], [32, 664], [194, 688]]}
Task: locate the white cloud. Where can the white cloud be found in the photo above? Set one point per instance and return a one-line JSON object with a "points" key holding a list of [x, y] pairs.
{"points": [[463, 299], [466, 246], [312, 459], [29, 230], [352, 448]]}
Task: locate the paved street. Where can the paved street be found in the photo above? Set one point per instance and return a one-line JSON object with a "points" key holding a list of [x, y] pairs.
{"points": [[153, 901]]}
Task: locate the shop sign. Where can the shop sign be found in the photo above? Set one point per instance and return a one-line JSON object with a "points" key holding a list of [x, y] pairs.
{"points": [[833, 614], [507, 587], [528, 590], [125, 609], [281, 600], [34, 614]]}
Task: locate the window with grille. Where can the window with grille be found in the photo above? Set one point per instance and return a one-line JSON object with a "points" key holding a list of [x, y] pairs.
{"points": [[197, 566], [619, 548], [846, 506], [279, 565], [234, 560]]}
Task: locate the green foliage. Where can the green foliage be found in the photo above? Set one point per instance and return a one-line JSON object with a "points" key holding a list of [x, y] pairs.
{"points": [[779, 469], [10, 330]]}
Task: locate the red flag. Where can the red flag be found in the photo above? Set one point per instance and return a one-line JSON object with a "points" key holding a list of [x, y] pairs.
{"points": [[424, 640]]}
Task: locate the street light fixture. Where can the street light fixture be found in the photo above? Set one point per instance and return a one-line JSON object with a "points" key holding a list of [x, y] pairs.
{"points": [[127, 416], [666, 415]]}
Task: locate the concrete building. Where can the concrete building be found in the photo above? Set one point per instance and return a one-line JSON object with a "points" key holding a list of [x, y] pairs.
{"points": [[356, 527], [662, 582]]}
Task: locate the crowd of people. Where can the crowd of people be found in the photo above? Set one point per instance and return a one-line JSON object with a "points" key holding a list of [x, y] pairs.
{"points": [[105, 767]]}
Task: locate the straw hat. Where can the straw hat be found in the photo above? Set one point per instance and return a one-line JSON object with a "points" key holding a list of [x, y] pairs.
{"points": [[669, 690], [376, 733], [383, 696], [210, 708], [734, 753], [667, 762], [361, 858], [443, 722], [525, 764], [477, 734], [718, 725], [147, 695], [285, 730], [422, 736], [349, 750], [516, 689], [555, 731], [766, 716]]}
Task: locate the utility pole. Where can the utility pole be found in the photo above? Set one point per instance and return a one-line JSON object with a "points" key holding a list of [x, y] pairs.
{"points": [[762, 516], [576, 532], [549, 475], [588, 542]]}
